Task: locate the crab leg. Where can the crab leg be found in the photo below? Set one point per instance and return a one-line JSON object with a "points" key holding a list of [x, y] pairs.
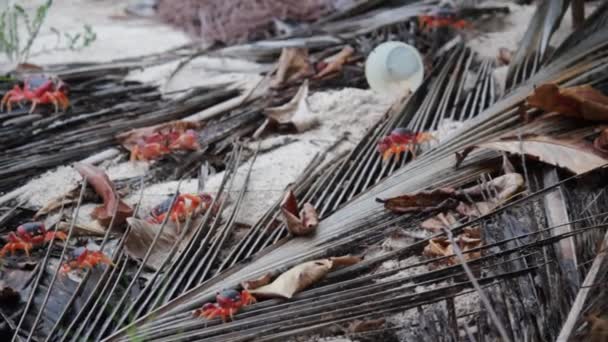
{"points": [[5, 100], [34, 104], [54, 101]]}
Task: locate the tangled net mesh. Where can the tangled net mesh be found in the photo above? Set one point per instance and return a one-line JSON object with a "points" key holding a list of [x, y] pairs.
{"points": [[237, 21]]}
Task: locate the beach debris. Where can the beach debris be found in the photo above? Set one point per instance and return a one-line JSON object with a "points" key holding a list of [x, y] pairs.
{"points": [[84, 258], [228, 302], [38, 89], [105, 188], [298, 224], [28, 236], [401, 140], [579, 102]]}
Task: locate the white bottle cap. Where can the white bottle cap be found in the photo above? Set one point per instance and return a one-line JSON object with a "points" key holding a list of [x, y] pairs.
{"points": [[394, 68]]}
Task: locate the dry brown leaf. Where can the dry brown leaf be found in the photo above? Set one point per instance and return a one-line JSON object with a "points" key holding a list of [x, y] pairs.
{"points": [[335, 64], [8, 296], [301, 224], [441, 246], [503, 186], [256, 283], [296, 112], [295, 280], [347, 260], [104, 187], [141, 236], [437, 223], [581, 102], [293, 65], [599, 328], [359, 326], [438, 199], [92, 228], [601, 142], [578, 157], [504, 56]]}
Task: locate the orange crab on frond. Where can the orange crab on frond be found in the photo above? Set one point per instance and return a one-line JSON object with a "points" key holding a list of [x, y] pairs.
{"points": [[228, 302], [401, 140], [28, 236], [184, 206], [442, 17], [83, 258], [164, 142], [38, 89]]}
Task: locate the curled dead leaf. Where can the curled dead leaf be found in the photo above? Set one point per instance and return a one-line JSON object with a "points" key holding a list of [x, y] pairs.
{"points": [[359, 326], [295, 280], [504, 56], [256, 283], [601, 142], [296, 112], [140, 239], [581, 102], [293, 65], [335, 63], [441, 246], [576, 156], [438, 199], [104, 187], [301, 224], [437, 223], [343, 261], [8, 296], [599, 328]]}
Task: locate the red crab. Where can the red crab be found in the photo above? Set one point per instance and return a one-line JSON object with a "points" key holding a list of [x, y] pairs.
{"points": [[442, 17], [163, 142], [228, 302], [38, 89], [401, 140], [83, 258], [29, 235], [184, 206]]}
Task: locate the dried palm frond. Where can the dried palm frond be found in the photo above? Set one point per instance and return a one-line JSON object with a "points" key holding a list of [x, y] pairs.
{"points": [[362, 219]]}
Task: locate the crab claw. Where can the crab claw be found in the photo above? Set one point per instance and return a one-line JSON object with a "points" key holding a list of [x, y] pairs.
{"points": [[12, 96], [13, 247], [247, 298], [55, 235], [209, 311], [187, 141], [148, 151]]}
